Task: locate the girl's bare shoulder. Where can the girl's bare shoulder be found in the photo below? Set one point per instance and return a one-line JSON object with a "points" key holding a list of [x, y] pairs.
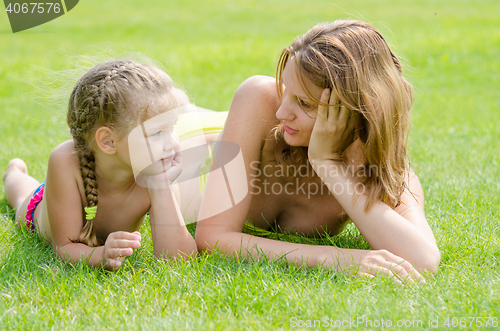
{"points": [[64, 158]]}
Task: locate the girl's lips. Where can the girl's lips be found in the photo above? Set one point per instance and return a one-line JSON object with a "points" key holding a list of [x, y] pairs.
{"points": [[289, 130], [168, 158]]}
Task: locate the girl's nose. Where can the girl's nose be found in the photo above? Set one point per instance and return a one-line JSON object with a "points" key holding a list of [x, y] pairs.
{"points": [[171, 141]]}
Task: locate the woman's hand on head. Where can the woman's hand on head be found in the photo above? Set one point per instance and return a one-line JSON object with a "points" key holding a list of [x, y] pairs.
{"points": [[333, 130], [119, 245]]}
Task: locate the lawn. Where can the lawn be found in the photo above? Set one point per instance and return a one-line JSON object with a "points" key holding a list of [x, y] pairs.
{"points": [[451, 54]]}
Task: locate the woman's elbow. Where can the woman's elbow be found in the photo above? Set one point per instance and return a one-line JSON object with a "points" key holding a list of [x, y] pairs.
{"points": [[206, 239], [429, 262]]}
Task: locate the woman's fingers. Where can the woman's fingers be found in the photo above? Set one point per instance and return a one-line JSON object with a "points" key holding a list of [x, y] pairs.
{"points": [[366, 275], [384, 263], [386, 271], [323, 107], [334, 107], [335, 112], [415, 275]]}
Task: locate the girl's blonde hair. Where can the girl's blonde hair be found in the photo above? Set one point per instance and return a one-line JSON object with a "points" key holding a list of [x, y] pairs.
{"points": [[353, 59], [118, 94]]}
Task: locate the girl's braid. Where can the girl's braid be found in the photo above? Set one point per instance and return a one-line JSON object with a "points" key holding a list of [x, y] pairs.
{"points": [[96, 102]]}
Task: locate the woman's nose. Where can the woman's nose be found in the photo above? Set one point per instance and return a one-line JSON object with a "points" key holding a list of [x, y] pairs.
{"points": [[285, 112]]}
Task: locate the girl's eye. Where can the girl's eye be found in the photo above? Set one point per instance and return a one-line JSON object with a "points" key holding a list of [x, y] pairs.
{"points": [[156, 134]]}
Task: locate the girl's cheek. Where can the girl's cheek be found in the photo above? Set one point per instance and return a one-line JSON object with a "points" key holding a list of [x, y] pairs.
{"points": [[177, 142]]}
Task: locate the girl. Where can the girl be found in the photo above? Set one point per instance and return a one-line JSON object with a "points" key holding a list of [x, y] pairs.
{"points": [[322, 144], [90, 206]]}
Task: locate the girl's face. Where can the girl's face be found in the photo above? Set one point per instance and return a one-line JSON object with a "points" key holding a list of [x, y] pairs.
{"points": [[297, 111], [153, 144]]}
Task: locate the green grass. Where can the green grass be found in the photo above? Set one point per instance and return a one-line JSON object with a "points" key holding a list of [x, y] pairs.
{"points": [[451, 53]]}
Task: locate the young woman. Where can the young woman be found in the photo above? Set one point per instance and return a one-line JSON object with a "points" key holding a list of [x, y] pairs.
{"points": [[323, 144]]}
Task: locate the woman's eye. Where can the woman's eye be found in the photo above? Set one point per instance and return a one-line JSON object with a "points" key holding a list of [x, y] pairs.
{"points": [[303, 104]]}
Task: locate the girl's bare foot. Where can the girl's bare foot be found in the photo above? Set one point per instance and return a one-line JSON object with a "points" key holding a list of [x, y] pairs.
{"points": [[18, 185], [15, 165]]}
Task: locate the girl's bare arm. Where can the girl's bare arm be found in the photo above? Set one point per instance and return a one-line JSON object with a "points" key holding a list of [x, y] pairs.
{"points": [[65, 213], [171, 238]]}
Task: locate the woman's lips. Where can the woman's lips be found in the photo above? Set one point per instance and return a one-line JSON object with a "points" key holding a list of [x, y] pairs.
{"points": [[289, 130]]}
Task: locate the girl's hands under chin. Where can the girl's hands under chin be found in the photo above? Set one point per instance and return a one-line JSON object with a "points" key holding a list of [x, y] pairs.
{"points": [[167, 177], [333, 130]]}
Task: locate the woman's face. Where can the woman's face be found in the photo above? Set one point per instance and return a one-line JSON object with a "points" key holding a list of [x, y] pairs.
{"points": [[297, 111]]}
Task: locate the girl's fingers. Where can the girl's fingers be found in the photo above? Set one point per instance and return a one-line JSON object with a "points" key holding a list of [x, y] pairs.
{"points": [[120, 252], [112, 264], [126, 235], [124, 243], [178, 158]]}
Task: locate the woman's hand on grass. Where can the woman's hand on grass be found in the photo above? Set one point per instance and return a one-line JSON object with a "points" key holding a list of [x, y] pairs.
{"points": [[376, 263], [333, 130], [119, 245]]}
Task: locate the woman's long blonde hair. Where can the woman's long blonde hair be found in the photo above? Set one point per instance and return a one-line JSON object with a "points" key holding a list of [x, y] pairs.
{"points": [[119, 94], [353, 59]]}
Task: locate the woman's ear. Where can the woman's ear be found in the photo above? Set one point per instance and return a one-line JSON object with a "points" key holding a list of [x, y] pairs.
{"points": [[105, 139]]}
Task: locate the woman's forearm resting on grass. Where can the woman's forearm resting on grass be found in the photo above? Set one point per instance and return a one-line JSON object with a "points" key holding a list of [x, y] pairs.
{"points": [[381, 226], [351, 261]]}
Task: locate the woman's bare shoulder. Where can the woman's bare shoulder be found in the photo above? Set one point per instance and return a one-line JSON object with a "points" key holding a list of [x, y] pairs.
{"points": [[260, 90], [255, 104]]}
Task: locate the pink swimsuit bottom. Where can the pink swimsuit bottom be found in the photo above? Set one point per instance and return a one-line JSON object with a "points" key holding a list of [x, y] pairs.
{"points": [[34, 201]]}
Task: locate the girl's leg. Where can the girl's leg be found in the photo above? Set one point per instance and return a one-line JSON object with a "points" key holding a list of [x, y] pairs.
{"points": [[19, 186]]}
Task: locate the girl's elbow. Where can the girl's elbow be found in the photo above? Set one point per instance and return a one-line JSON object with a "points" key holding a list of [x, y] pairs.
{"points": [[178, 255], [58, 250], [203, 241]]}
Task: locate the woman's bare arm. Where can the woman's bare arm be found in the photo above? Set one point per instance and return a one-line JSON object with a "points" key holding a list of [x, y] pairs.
{"points": [[403, 231], [251, 117]]}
